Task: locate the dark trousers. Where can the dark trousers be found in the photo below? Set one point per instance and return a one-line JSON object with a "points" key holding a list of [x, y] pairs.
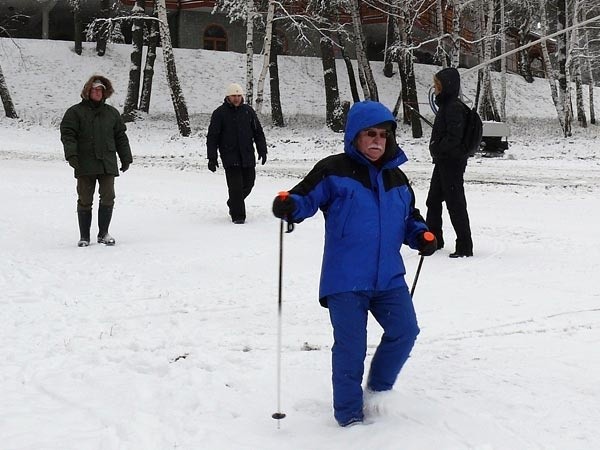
{"points": [[447, 185], [86, 186], [348, 312], [240, 181]]}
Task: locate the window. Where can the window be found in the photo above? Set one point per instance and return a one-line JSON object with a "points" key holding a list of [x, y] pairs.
{"points": [[215, 38]]}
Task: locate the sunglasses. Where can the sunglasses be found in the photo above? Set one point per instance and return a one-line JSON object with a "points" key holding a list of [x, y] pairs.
{"points": [[383, 134]]}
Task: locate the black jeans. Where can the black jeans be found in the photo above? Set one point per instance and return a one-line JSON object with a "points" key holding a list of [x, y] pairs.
{"points": [[86, 185], [240, 181], [447, 184]]}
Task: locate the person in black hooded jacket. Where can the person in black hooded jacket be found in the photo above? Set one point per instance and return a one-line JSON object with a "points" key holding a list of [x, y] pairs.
{"points": [[233, 129], [450, 161]]}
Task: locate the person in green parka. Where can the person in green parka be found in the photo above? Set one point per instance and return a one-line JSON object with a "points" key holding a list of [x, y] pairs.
{"points": [[93, 134]]}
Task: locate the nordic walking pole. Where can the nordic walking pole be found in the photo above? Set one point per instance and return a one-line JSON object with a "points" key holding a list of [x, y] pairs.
{"points": [[290, 227], [429, 237]]}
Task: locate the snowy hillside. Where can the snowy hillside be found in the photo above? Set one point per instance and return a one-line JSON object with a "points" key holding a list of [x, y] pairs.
{"points": [[168, 339]]}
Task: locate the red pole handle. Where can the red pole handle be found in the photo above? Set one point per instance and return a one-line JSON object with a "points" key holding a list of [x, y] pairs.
{"points": [[282, 195], [428, 236]]}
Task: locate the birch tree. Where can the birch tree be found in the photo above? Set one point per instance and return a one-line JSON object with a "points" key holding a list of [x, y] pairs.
{"points": [[266, 56], [563, 80], [405, 13], [251, 13], [179, 105], [153, 38], [590, 74], [549, 70], [441, 54], [369, 86], [575, 56], [487, 103]]}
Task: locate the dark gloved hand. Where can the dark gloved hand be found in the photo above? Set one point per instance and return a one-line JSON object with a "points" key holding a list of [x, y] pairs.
{"points": [[124, 167], [212, 165], [283, 207], [74, 162], [262, 159], [427, 243]]}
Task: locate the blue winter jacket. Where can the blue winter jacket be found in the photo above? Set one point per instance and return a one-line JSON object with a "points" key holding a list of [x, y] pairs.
{"points": [[369, 211]]}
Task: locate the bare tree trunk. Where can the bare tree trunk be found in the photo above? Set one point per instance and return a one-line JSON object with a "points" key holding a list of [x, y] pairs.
{"points": [[153, 36], [503, 61], [349, 69], [563, 94], [548, 68], [455, 50], [102, 35], [591, 81], [135, 69], [276, 111], [78, 30], [250, 53], [266, 57], [370, 87], [181, 112], [487, 107], [576, 64], [388, 68], [9, 107], [333, 110], [405, 64], [440, 51]]}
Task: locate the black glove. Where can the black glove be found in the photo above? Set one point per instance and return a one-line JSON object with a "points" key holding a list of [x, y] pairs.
{"points": [[262, 159], [212, 165], [283, 207], [427, 243], [124, 167], [74, 162]]}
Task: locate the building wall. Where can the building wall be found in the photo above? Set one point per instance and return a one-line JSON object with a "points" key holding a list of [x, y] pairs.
{"points": [[193, 23]]}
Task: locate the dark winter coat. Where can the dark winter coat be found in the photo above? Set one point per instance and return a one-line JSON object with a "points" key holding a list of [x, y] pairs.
{"points": [[95, 133], [369, 212], [449, 125], [232, 131]]}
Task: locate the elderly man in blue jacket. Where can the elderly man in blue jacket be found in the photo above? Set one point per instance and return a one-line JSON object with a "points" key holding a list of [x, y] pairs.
{"points": [[369, 210]]}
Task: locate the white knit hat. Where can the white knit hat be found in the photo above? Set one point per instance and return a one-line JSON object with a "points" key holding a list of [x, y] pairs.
{"points": [[234, 89], [97, 84]]}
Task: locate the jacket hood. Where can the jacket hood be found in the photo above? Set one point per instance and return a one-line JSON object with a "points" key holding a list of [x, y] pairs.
{"points": [[85, 92], [366, 114], [450, 80]]}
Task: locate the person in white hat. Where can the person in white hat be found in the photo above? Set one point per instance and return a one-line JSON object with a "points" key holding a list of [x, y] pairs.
{"points": [[233, 133]]}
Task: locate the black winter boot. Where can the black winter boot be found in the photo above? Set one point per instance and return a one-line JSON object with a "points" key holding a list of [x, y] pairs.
{"points": [[104, 216], [85, 221]]}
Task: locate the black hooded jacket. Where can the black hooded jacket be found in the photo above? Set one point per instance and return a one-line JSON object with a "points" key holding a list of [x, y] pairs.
{"points": [[232, 131], [448, 128]]}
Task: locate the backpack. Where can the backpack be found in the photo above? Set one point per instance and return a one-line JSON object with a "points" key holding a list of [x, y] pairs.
{"points": [[473, 131]]}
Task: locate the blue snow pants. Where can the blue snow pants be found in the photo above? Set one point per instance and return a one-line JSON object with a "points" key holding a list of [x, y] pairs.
{"points": [[348, 312]]}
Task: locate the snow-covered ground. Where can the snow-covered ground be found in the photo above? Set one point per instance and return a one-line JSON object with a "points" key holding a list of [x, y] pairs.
{"points": [[168, 340]]}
